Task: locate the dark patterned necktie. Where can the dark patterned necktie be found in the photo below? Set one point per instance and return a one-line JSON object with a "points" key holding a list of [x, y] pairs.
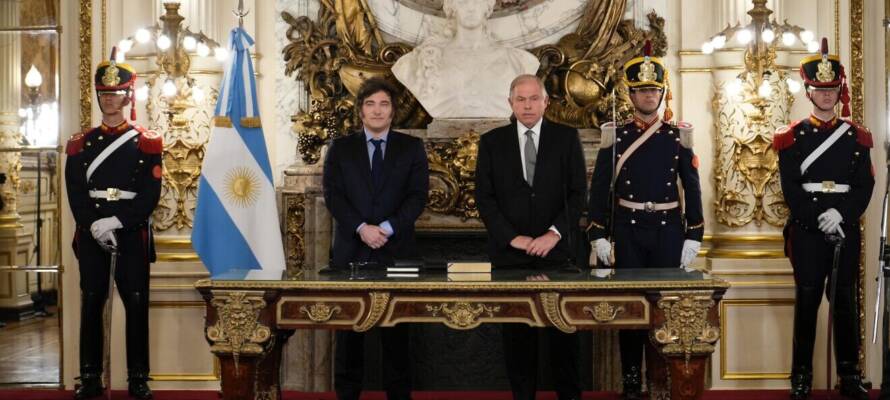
{"points": [[377, 164]]}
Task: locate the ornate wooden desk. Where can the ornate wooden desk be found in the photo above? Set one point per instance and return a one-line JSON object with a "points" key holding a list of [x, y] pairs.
{"points": [[248, 320]]}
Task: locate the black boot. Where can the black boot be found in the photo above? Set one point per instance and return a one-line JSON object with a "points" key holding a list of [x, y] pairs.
{"points": [[852, 387], [90, 387], [633, 384], [801, 383], [138, 386]]}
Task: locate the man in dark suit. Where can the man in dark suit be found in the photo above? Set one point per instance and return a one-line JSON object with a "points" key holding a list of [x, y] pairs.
{"points": [[530, 187], [375, 185]]}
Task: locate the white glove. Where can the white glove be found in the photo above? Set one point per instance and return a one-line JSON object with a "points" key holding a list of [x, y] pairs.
{"points": [[690, 251], [103, 226], [830, 221], [108, 242], [603, 251]]}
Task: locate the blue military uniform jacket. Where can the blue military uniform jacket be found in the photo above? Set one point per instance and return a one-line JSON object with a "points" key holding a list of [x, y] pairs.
{"points": [[846, 162], [651, 174], [134, 167]]}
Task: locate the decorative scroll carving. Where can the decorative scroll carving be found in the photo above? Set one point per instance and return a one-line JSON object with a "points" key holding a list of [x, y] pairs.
{"points": [[462, 315], [686, 330], [603, 312], [320, 312], [237, 330], [454, 164], [186, 127], [294, 232], [336, 53], [550, 304], [746, 167], [379, 301]]}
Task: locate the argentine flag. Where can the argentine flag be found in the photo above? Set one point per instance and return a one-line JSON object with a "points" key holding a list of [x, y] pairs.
{"points": [[236, 229]]}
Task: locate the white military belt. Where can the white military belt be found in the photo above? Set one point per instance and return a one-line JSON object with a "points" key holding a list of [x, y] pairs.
{"points": [[648, 206], [826, 187], [113, 194]]}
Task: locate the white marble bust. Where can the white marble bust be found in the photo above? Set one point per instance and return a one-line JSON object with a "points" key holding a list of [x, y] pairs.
{"points": [[460, 71]]}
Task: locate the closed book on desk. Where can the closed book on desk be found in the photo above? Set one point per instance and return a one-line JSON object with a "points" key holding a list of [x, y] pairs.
{"points": [[401, 275], [469, 277], [475, 267], [397, 270]]}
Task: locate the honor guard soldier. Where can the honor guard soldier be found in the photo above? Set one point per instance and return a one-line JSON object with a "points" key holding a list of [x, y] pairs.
{"points": [[827, 180], [113, 176], [635, 194]]}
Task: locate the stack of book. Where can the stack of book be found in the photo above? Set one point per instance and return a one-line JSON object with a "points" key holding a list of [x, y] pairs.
{"points": [[469, 271], [403, 272]]}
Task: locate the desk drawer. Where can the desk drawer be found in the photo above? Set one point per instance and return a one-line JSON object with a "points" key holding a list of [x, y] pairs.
{"points": [[316, 310], [605, 310]]}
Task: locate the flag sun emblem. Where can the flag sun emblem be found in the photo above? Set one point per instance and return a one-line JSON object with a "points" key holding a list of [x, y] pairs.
{"points": [[242, 187]]}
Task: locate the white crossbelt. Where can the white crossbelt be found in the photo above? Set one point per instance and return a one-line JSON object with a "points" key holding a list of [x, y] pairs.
{"points": [[110, 149], [648, 206], [826, 187], [823, 147], [113, 194]]}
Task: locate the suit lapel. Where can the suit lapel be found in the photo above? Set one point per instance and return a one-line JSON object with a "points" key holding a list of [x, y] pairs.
{"points": [[360, 152], [513, 155], [545, 142]]}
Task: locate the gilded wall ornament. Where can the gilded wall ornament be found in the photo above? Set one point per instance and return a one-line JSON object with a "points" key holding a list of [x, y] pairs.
{"points": [[453, 172], [746, 167], [186, 127], [343, 46], [294, 233]]}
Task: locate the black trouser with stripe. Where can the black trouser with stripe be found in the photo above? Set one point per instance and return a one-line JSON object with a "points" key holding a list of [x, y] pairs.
{"points": [[811, 257], [131, 278], [639, 246]]}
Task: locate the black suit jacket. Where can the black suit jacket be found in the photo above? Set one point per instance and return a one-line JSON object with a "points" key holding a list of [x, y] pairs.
{"points": [[509, 207], [352, 200]]}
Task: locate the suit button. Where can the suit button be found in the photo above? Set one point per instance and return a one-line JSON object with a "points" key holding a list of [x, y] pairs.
{"points": [[669, 183], [815, 199], [633, 221], [664, 222], [97, 205], [630, 196], [627, 182]]}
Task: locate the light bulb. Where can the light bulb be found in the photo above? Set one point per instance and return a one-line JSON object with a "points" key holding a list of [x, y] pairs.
{"points": [[707, 48], [125, 45], [189, 43], [221, 54], [768, 35], [813, 47], [169, 89], [33, 78], [793, 85], [197, 94], [765, 89], [807, 36], [788, 39], [142, 93], [734, 87], [203, 50], [719, 41], [743, 36], [164, 42], [143, 35]]}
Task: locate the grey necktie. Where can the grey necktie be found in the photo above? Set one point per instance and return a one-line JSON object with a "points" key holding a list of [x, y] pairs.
{"points": [[531, 156]]}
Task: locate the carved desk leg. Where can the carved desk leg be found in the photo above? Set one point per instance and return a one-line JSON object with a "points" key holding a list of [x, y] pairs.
{"points": [[238, 330], [685, 329]]}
